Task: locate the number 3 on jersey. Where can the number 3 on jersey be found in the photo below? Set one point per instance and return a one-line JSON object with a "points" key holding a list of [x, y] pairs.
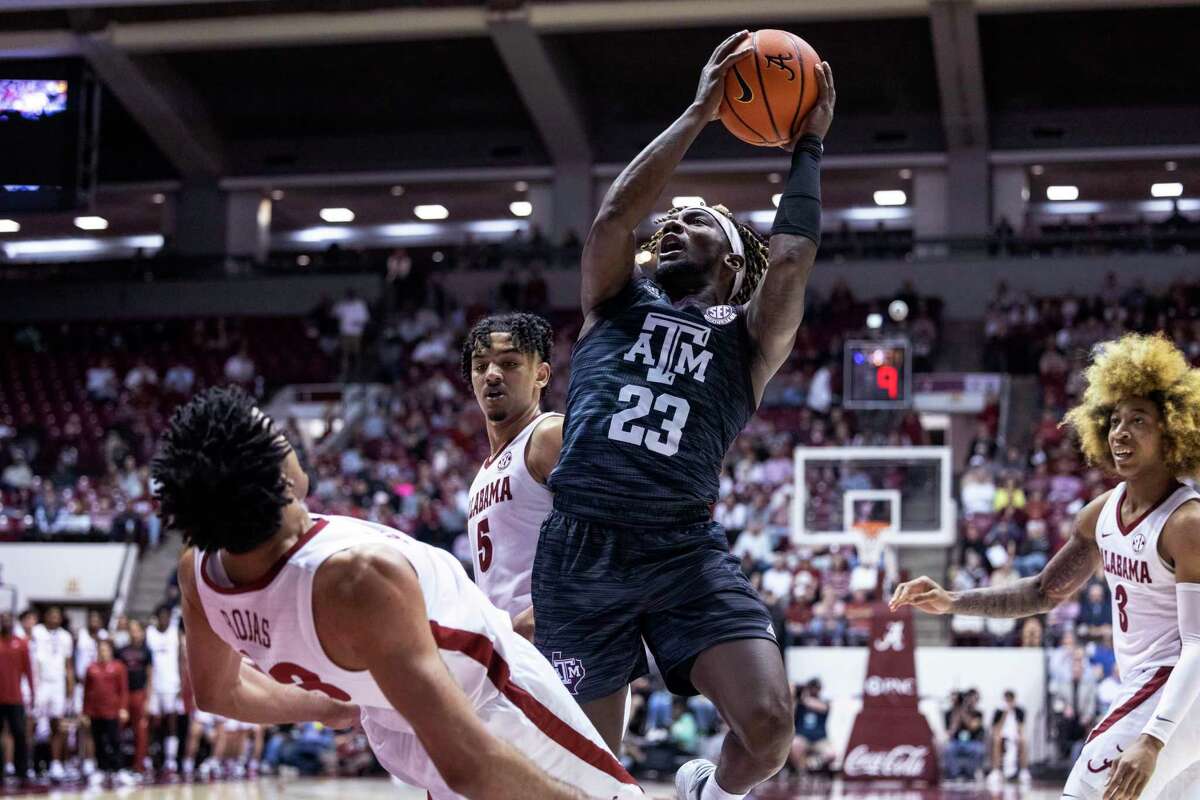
{"points": [[1122, 597], [484, 545], [664, 442]]}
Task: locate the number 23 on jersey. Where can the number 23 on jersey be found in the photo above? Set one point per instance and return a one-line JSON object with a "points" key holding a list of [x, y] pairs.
{"points": [[675, 412]]}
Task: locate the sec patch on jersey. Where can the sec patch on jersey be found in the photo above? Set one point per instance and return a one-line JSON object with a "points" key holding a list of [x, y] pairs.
{"points": [[720, 315]]}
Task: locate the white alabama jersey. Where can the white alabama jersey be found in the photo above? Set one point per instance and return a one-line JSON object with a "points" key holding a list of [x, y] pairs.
{"points": [[506, 510], [86, 647], [164, 649], [51, 648], [516, 693], [1145, 615]]}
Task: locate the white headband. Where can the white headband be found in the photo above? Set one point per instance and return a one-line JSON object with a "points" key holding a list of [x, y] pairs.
{"points": [[735, 241]]}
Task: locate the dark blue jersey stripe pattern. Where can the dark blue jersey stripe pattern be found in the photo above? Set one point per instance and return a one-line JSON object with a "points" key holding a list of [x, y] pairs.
{"points": [[656, 397]]}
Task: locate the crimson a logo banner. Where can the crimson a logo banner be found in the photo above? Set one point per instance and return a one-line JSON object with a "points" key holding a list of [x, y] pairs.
{"points": [[891, 739]]}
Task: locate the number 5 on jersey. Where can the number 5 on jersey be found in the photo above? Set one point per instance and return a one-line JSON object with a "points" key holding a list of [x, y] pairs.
{"points": [[484, 545], [675, 411]]}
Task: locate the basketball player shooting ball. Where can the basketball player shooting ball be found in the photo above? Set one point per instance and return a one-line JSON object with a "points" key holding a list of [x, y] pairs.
{"points": [[1139, 418], [278, 601], [668, 368], [506, 360]]}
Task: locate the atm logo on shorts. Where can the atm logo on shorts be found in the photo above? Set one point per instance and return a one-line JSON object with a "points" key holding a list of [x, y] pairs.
{"points": [[570, 671]]}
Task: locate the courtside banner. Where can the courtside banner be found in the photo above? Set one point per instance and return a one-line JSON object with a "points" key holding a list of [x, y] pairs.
{"points": [[891, 740]]}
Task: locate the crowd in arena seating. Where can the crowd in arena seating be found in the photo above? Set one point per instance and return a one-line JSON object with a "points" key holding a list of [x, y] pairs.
{"points": [[82, 405]]}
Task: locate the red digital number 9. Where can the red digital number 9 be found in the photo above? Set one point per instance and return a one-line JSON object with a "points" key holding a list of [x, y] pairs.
{"points": [[888, 379], [296, 675], [485, 546], [1122, 601]]}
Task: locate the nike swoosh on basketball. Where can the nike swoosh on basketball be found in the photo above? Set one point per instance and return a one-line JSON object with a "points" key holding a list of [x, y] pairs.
{"points": [[747, 94]]}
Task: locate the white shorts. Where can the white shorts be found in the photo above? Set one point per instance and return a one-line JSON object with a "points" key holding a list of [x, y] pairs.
{"points": [[236, 726], [51, 701], [1128, 714], [534, 713], [160, 703], [207, 721]]}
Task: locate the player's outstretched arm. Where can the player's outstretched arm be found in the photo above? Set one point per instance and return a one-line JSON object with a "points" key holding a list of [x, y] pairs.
{"points": [[609, 247], [1058, 581], [373, 614], [777, 307], [1133, 769], [225, 684]]}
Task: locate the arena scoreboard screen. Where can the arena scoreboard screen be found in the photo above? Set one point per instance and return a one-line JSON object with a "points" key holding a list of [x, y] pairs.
{"points": [[877, 374]]}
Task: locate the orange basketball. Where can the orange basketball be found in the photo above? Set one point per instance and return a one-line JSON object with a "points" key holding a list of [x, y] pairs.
{"points": [[768, 95]]}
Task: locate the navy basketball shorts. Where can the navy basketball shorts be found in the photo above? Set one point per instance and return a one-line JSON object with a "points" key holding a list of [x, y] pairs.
{"points": [[600, 589]]}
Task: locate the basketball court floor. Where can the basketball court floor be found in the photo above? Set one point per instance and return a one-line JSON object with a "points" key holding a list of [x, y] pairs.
{"points": [[382, 789]]}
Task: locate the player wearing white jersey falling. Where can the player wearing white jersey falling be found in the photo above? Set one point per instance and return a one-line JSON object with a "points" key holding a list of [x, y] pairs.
{"points": [[1140, 418], [277, 601], [506, 359]]}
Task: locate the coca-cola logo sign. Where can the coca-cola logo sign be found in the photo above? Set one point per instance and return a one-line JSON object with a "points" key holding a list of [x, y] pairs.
{"points": [[902, 761], [877, 686]]}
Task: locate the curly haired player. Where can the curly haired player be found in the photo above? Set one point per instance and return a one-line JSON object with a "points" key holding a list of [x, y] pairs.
{"points": [[668, 368], [1140, 419], [277, 601], [506, 361]]}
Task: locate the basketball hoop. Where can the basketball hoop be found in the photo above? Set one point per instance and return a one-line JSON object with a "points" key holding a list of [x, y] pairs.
{"points": [[868, 542]]}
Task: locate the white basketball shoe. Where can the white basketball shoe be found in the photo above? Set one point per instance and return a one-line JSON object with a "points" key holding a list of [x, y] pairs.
{"points": [[691, 777]]}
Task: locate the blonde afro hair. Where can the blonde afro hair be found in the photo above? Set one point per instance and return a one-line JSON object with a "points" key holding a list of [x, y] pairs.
{"points": [[1141, 366]]}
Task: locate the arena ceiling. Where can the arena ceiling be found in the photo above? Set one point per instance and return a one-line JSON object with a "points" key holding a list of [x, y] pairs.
{"points": [[355, 95]]}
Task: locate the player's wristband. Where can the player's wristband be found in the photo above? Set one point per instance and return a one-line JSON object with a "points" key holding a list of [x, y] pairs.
{"points": [[1183, 686], [799, 211]]}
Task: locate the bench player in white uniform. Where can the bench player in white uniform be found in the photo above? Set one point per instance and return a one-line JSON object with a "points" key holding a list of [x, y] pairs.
{"points": [[166, 690], [52, 649], [359, 615], [506, 359], [1140, 418]]}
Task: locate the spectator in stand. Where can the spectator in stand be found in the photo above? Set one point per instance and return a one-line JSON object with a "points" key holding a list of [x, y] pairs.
{"points": [[17, 475], [1033, 551], [977, 494], [239, 367], [1009, 495], [179, 380], [105, 702], [778, 579], [141, 380], [811, 749], [139, 667], [353, 316], [130, 480], [964, 726], [1010, 750], [755, 544], [1073, 705], [102, 386], [15, 668], [1095, 614], [859, 611]]}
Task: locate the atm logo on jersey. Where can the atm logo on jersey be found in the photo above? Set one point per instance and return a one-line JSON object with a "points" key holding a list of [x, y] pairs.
{"points": [[671, 347], [570, 671], [1126, 568]]}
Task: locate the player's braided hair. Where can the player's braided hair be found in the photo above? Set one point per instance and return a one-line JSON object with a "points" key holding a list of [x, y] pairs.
{"points": [[757, 254], [219, 471], [531, 334]]}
